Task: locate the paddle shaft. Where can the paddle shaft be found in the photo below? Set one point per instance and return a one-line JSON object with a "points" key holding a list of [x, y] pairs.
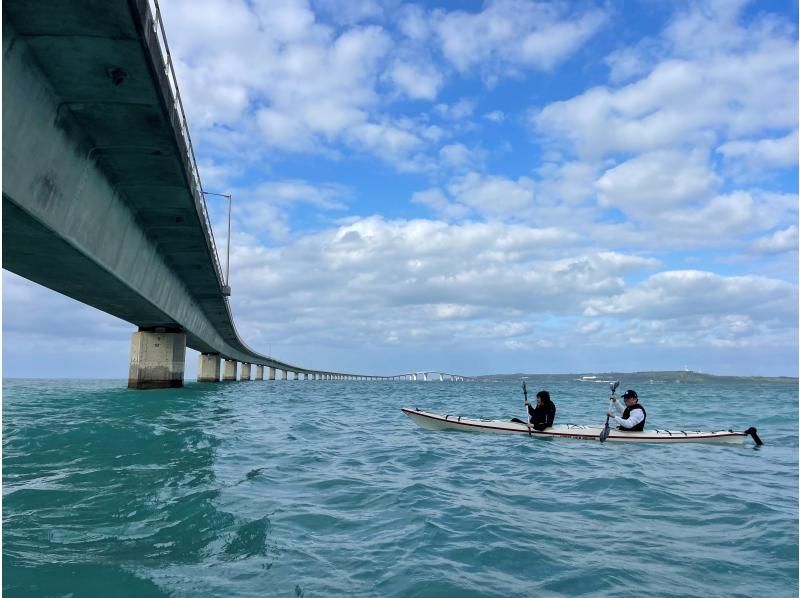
{"points": [[606, 429], [526, 420]]}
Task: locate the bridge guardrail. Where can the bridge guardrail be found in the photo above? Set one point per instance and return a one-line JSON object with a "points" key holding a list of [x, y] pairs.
{"points": [[197, 187]]}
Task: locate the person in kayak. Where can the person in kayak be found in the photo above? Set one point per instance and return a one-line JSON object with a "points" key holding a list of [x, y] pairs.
{"points": [[543, 415], [633, 417]]}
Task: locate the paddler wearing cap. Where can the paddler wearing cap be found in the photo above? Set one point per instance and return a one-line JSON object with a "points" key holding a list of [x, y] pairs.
{"points": [[633, 417]]}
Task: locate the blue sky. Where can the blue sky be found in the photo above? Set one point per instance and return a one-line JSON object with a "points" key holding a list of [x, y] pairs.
{"points": [[483, 187]]}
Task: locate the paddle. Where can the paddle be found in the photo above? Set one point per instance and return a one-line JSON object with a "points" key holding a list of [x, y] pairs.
{"points": [[525, 392], [606, 431]]}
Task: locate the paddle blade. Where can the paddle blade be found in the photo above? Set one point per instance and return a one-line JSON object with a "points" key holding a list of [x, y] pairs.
{"points": [[614, 386], [606, 431], [525, 390]]}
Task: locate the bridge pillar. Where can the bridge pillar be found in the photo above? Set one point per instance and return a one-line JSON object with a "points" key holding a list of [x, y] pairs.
{"points": [[245, 372], [209, 368], [259, 372], [284, 375], [271, 373], [157, 360], [230, 370]]}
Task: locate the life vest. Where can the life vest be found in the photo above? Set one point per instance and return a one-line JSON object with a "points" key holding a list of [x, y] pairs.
{"points": [[627, 413]]}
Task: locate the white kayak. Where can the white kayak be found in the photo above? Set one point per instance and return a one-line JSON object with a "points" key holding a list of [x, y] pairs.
{"points": [[434, 421]]}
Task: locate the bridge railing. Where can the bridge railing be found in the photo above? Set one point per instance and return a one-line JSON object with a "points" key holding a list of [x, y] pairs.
{"points": [[183, 127]]}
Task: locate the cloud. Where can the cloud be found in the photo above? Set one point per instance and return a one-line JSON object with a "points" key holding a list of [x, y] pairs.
{"points": [[418, 81], [513, 35], [654, 182], [488, 196], [762, 154], [684, 293], [780, 241], [685, 99], [265, 209], [496, 116], [440, 204], [421, 282], [460, 110]]}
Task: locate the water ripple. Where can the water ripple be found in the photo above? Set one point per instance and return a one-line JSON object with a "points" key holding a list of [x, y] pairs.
{"points": [[327, 489]]}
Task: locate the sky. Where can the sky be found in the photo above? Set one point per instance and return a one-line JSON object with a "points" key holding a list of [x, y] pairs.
{"points": [[482, 187]]}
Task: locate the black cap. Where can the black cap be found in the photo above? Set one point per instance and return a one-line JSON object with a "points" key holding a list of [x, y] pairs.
{"points": [[630, 394]]}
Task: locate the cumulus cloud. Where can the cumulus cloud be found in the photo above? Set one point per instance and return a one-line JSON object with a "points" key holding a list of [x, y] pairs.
{"points": [[488, 196], [778, 242], [683, 293], [748, 158], [513, 35], [418, 81], [653, 182], [685, 98]]}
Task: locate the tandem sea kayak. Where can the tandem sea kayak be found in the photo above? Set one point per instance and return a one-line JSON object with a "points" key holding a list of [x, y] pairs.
{"points": [[434, 421]]}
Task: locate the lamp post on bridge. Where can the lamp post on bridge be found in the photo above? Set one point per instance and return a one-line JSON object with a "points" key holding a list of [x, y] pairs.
{"points": [[226, 290]]}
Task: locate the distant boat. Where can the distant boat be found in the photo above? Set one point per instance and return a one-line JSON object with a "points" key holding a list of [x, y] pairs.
{"points": [[592, 379]]}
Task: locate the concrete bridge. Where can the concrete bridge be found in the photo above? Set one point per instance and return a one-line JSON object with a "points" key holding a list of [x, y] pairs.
{"points": [[102, 199], [430, 377]]}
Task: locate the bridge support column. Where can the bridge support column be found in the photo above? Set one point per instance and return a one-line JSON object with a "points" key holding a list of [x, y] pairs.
{"points": [[284, 375], [230, 370], [157, 360], [245, 372], [209, 368], [259, 372], [271, 372]]}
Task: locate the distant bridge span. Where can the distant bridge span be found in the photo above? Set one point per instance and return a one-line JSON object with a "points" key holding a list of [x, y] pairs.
{"points": [[102, 199]]}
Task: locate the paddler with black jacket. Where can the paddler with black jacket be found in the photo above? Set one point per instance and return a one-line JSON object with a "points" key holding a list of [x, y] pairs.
{"points": [[543, 415], [633, 417]]}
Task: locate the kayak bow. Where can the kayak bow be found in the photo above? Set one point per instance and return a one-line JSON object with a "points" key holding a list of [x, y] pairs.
{"points": [[434, 421]]}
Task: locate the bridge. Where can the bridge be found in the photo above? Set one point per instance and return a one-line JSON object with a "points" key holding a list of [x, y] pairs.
{"points": [[102, 198]]}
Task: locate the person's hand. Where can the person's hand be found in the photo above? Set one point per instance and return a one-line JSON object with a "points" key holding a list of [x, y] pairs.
{"points": [[526, 402], [613, 398], [609, 414]]}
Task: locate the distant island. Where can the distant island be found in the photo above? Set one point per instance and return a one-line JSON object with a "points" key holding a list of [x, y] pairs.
{"points": [[631, 378]]}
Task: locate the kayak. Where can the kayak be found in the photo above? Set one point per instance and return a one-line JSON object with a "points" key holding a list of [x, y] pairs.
{"points": [[434, 421]]}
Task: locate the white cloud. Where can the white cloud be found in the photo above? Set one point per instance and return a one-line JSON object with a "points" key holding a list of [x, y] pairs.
{"points": [[496, 116], [508, 34], [460, 110], [417, 81], [780, 152], [687, 99], [414, 23], [627, 63], [684, 293], [386, 139], [459, 156], [440, 204], [654, 182], [493, 195], [778, 242]]}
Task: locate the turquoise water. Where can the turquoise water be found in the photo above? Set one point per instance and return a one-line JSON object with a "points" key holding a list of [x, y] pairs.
{"points": [[326, 489]]}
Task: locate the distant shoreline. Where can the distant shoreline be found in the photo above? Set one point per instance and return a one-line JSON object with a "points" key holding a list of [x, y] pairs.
{"points": [[665, 377]]}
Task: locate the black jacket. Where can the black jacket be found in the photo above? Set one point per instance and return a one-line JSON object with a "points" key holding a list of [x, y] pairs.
{"points": [[542, 416]]}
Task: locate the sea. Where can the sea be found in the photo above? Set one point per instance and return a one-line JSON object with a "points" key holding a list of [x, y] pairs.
{"points": [[325, 488]]}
